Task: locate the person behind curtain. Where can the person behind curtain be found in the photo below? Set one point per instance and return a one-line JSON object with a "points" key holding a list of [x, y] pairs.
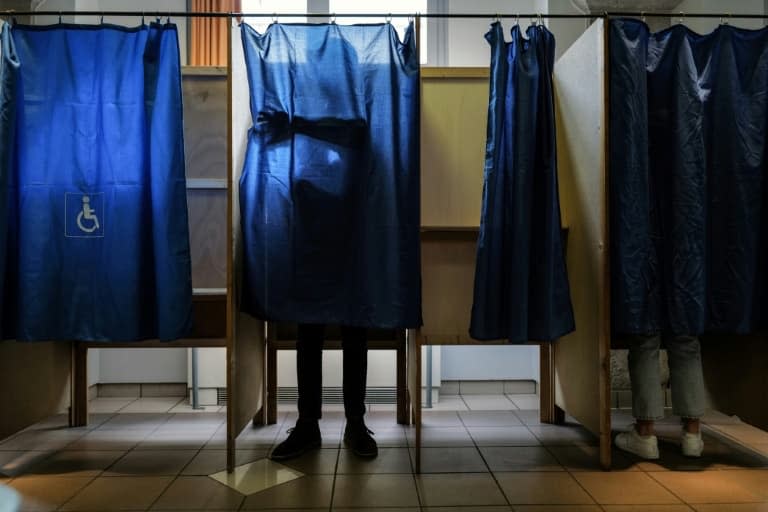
{"points": [[305, 436], [687, 383]]}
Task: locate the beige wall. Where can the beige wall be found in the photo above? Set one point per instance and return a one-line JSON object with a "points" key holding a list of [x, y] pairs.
{"points": [[34, 383]]}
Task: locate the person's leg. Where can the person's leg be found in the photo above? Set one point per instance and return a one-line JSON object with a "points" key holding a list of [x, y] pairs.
{"points": [[305, 435], [687, 379], [647, 397], [354, 342], [309, 370]]}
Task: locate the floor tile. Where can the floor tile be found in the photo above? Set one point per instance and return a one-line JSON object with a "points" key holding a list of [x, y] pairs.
{"points": [[529, 416], [315, 462], [151, 463], [461, 489], [207, 462], [41, 440], [135, 421], [378, 420], [707, 486], [732, 507], [452, 460], [184, 407], [587, 458], [500, 508], [488, 403], [563, 435], [108, 405], [119, 493], [717, 455], [305, 492], [755, 481], [18, 462], [389, 460], [151, 405], [557, 508], [525, 401], [625, 488], [375, 491], [198, 493], [449, 403], [489, 418], [111, 440], [76, 463], [647, 508], [440, 419], [442, 437], [391, 437], [519, 458], [503, 436], [46, 493], [537, 488], [179, 440], [183, 421]]}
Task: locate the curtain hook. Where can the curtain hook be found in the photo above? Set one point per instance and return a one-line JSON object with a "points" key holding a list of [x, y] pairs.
{"points": [[59, 17], [142, 17], [517, 19], [682, 17], [333, 18], [539, 19], [497, 18], [642, 16], [274, 17], [168, 19], [389, 19], [533, 21]]}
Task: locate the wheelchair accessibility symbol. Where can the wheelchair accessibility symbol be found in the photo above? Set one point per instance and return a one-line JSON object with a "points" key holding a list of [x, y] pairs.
{"points": [[84, 215]]}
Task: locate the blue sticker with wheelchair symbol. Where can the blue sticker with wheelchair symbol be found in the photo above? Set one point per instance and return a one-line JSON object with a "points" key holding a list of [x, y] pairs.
{"points": [[84, 215]]}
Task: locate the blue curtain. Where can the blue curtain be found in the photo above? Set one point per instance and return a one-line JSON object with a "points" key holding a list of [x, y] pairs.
{"points": [[689, 216], [329, 194], [521, 285], [98, 245], [9, 66]]}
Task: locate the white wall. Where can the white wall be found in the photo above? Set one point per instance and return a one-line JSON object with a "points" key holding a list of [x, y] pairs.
{"points": [[155, 365], [492, 362]]}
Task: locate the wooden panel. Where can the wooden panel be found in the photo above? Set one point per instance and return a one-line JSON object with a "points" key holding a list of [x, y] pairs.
{"points": [[208, 237], [246, 336], [582, 358], [35, 383], [453, 128], [448, 273], [735, 375], [414, 343], [205, 122]]}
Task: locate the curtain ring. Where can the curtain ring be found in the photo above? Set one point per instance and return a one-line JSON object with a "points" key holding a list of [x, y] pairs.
{"points": [[274, 17], [389, 19], [333, 17], [682, 17]]}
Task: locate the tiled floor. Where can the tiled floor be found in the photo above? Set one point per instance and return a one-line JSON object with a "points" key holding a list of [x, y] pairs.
{"points": [[484, 453]]}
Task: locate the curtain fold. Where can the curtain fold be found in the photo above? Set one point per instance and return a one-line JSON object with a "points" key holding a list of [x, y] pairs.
{"points": [[521, 288], [208, 36], [329, 194], [98, 246], [9, 69], [689, 217]]}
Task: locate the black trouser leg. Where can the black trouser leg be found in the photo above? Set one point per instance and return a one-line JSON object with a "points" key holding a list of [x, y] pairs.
{"points": [[355, 346], [309, 370]]}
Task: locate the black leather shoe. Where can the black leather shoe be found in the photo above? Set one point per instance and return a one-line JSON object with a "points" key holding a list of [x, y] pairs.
{"points": [[305, 436], [358, 438]]}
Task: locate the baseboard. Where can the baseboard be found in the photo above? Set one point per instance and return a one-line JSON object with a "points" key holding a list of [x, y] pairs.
{"points": [[143, 390], [488, 387]]}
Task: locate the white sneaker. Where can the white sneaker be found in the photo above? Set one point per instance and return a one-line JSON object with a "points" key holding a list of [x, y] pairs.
{"points": [[646, 447], [692, 444]]}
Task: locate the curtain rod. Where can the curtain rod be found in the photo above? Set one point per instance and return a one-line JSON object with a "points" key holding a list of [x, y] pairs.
{"points": [[189, 14]]}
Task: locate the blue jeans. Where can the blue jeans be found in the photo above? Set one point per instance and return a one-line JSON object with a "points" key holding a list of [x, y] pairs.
{"points": [[687, 379]]}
